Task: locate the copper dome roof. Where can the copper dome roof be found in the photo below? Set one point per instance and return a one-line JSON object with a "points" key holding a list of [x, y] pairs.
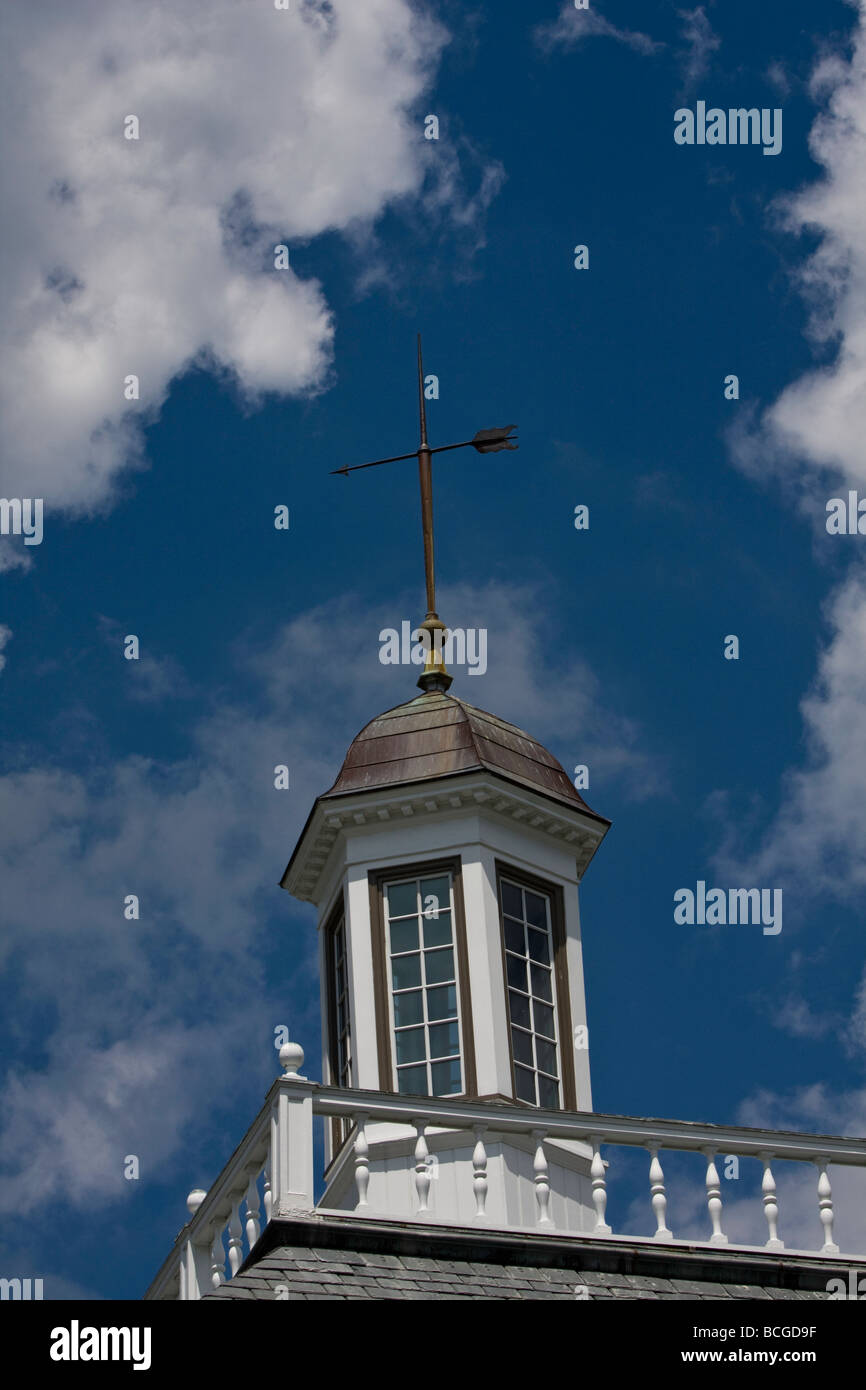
{"points": [[437, 735]]}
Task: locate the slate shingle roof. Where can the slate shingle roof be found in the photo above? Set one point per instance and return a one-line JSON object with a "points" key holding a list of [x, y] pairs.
{"points": [[334, 1258]]}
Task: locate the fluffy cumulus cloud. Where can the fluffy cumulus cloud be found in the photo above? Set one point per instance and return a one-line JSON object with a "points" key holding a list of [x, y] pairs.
{"points": [[573, 26], [179, 1003], [124, 256], [818, 423], [74, 1121], [816, 843], [813, 436]]}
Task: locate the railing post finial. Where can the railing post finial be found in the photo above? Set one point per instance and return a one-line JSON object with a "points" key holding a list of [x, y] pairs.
{"points": [[195, 1199], [291, 1060]]}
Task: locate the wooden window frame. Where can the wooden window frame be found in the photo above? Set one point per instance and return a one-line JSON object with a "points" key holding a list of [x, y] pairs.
{"points": [[554, 893], [377, 878]]}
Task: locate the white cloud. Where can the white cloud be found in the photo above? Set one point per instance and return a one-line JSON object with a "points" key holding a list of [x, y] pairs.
{"points": [[811, 438], [76, 1122], [150, 678], [816, 843], [700, 44], [573, 26], [13, 555], [796, 1016], [777, 76], [138, 257], [818, 422], [5, 634], [854, 1035]]}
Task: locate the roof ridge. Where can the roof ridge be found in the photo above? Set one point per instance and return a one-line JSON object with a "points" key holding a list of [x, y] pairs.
{"points": [[497, 719]]}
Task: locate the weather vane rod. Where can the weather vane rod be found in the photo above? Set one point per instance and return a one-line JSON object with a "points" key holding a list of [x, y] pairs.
{"points": [[434, 675]]}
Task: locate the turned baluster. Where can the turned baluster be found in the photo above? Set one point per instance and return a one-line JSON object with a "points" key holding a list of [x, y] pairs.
{"points": [[825, 1207], [542, 1177], [479, 1172], [267, 1191], [253, 1224], [422, 1166], [217, 1260], [714, 1199], [362, 1155], [658, 1198], [236, 1239], [599, 1189], [771, 1206]]}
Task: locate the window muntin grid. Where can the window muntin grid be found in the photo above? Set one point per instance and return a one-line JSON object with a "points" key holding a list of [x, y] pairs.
{"points": [[422, 985], [528, 940]]}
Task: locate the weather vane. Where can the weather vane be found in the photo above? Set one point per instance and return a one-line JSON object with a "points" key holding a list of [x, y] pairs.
{"points": [[434, 675]]}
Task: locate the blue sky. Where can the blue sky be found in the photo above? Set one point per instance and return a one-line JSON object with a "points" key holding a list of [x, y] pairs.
{"points": [[258, 647]]}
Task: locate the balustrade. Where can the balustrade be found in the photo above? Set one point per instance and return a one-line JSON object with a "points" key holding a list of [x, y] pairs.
{"points": [[270, 1173]]}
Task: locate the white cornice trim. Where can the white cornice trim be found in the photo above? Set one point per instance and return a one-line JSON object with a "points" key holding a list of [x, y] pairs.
{"points": [[435, 799]]}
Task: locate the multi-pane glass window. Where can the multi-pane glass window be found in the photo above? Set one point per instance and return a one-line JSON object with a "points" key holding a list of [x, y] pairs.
{"points": [[422, 975], [342, 1053], [341, 1039], [528, 936]]}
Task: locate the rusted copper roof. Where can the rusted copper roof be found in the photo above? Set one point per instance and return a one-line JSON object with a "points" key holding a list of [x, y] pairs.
{"points": [[437, 735]]}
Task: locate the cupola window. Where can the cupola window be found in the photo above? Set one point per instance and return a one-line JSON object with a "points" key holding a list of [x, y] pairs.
{"points": [[530, 945], [339, 1011], [423, 985], [342, 1053]]}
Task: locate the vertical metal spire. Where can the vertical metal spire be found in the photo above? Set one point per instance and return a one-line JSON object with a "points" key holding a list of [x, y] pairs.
{"points": [[434, 676], [425, 478]]}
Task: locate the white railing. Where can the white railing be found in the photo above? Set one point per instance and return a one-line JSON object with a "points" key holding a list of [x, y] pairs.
{"points": [[271, 1171]]}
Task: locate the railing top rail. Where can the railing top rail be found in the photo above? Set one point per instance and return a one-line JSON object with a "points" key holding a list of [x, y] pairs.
{"points": [[251, 1149], [609, 1129]]}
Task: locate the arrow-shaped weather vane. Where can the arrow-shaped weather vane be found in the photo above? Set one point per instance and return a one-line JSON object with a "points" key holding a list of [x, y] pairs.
{"points": [[435, 676]]}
